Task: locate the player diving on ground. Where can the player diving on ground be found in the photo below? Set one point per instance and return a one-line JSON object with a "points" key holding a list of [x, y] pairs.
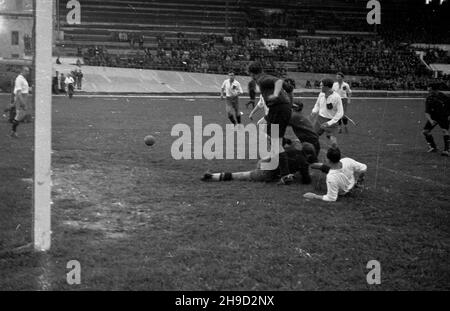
{"points": [[343, 174], [299, 155]]}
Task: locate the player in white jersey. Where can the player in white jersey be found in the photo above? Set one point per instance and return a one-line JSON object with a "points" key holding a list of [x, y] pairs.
{"points": [[21, 91], [343, 175], [232, 89], [327, 111], [70, 83], [343, 89]]}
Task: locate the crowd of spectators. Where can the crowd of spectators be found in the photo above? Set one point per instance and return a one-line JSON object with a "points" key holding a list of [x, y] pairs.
{"points": [[410, 83], [355, 56], [209, 54], [436, 56], [390, 63]]}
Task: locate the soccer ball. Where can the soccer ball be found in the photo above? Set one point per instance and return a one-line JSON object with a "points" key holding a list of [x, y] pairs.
{"points": [[149, 140]]}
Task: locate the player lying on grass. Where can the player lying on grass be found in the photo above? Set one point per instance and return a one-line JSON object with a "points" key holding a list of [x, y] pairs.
{"points": [[343, 175], [299, 155], [437, 112]]}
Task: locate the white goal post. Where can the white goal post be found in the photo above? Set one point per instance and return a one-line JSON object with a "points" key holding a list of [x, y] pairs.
{"points": [[43, 36]]}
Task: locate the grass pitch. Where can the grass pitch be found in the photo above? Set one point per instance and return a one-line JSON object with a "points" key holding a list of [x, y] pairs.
{"points": [[136, 219]]}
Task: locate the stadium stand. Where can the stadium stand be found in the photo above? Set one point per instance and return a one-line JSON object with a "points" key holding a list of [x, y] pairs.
{"points": [[193, 37]]}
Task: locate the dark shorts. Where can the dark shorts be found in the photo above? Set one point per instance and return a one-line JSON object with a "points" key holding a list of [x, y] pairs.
{"points": [[264, 175], [331, 130], [281, 115], [313, 142], [443, 124]]}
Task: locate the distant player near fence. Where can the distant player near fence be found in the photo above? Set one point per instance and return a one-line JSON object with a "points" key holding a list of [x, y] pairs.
{"points": [[437, 113], [70, 82], [21, 92], [343, 89]]}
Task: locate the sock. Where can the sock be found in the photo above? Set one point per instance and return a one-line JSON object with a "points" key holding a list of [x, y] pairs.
{"points": [[221, 177], [15, 124], [446, 142], [238, 117], [232, 119], [430, 140], [345, 121]]}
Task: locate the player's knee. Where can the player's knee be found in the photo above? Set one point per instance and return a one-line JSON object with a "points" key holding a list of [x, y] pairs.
{"points": [[426, 132]]}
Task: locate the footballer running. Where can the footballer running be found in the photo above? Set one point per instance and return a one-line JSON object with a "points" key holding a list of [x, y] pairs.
{"points": [[327, 111], [437, 113], [343, 89], [232, 89]]}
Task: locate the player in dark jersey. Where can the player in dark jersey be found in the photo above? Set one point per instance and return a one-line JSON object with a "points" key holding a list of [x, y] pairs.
{"points": [[279, 105], [437, 112], [302, 127], [300, 156], [289, 87], [251, 93]]}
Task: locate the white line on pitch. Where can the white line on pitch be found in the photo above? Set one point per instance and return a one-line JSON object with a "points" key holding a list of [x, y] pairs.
{"points": [[194, 79], [180, 76], [217, 97], [426, 180]]}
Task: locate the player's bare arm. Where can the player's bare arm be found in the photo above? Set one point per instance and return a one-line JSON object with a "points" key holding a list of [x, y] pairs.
{"points": [[429, 119], [276, 90], [349, 95], [312, 196]]}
